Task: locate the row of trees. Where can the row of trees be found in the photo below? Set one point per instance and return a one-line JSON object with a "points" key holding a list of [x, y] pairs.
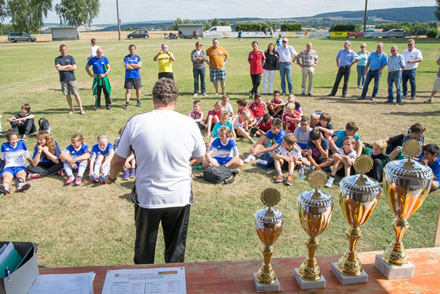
{"points": [[413, 28], [28, 15], [207, 24]]}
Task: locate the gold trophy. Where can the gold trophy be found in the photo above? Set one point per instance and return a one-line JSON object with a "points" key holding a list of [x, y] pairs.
{"points": [[314, 210], [268, 224], [407, 183], [358, 197]]}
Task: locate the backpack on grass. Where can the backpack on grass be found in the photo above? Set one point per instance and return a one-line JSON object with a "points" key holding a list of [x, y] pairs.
{"points": [[43, 125], [219, 175]]}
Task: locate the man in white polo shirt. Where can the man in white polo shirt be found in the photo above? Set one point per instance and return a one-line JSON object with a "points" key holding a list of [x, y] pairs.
{"points": [[164, 142], [412, 57], [287, 56]]}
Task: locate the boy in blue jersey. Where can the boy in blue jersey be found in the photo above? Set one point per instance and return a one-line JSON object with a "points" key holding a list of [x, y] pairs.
{"points": [[351, 130], [133, 64], [14, 156], [431, 159], [102, 154], [75, 158], [268, 143], [226, 152]]}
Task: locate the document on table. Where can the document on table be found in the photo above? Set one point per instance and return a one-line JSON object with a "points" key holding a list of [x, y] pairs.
{"points": [[64, 284], [169, 280]]}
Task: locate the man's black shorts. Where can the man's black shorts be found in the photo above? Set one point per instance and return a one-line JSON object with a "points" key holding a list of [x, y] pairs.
{"points": [[130, 83]]}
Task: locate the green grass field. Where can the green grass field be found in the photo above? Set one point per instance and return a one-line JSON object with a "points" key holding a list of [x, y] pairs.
{"points": [[93, 225]]}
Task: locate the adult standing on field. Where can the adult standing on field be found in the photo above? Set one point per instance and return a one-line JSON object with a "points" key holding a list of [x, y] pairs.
{"points": [[376, 63], [396, 64], [66, 65], [344, 60], [269, 68], [287, 56], [436, 86], [309, 59], [218, 57], [93, 49], [101, 83], [256, 59], [412, 57], [132, 64], [198, 58], [165, 61], [162, 191]]}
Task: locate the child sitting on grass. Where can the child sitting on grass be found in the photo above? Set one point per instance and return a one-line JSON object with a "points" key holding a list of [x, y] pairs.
{"points": [[431, 159], [129, 167], [75, 158], [23, 123], [275, 106], [302, 133], [226, 151], [224, 121], [380, 159], [14, 156], [102, 154], [262, 126], [343, 160], [197, 115], [324, 125], [395, 143], [292, 99], [351, 130], [45, 160], [227, 106], [213, 117], [317, 149], [258, 107], [239, 125], [288, 154], [291, 118]]}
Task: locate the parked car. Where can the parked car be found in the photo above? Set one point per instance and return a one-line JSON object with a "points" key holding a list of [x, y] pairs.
{"points": [[395, 33], [138, 34], [15, 37]]}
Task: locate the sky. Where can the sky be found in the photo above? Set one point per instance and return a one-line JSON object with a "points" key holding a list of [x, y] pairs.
{"points": [[142, 10]]}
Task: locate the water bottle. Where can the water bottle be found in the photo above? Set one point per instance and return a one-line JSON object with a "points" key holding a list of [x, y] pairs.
{"points": [[301, 173]]}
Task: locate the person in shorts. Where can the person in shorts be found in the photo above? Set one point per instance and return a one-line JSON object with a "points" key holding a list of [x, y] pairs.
{"points": [[133, 64], [218, 57], [66, 65]]}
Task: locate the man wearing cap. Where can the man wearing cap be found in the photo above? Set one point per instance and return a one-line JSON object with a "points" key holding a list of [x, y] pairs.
{"points": [[287, 56], [344, 60]]}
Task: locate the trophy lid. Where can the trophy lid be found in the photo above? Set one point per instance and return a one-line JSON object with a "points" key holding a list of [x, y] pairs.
{"points": [[360, 183], [409, 168], [316, 198], [269, 197]]}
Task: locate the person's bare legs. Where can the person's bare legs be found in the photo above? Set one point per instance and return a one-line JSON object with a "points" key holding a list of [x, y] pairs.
{"points": [[223, 85], [395, 153], [69, 101], [216, 87], [127, 95], [138, 94], [78, 100]]}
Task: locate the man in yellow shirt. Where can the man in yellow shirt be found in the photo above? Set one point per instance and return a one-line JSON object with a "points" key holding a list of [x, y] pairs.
{"points": [[165, 61], [217, 60]]}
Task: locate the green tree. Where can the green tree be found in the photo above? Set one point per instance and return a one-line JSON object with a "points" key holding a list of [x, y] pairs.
{"points": [[77, 12], [27, 15], [437, 10], [2, 10]]}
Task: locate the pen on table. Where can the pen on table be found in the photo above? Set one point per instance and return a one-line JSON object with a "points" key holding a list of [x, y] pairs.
{"points": [[7, 274]]}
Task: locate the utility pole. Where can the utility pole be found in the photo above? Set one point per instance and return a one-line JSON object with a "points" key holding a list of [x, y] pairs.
{"points": [[119, 21], [365, 15]]}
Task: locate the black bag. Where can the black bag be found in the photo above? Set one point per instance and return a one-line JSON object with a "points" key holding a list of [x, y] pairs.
{"points": [[43, 125], [266, 161], [219, 175]]}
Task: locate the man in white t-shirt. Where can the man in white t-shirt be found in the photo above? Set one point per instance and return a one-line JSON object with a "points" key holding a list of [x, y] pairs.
{"points": [[162, 191], [93, 49], [412, 57]]}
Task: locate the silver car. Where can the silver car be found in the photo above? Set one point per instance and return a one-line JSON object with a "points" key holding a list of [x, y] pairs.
{"points": [[15, 37]]}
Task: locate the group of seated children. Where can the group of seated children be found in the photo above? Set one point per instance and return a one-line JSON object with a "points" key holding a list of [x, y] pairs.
{"points": [[292, 141]]}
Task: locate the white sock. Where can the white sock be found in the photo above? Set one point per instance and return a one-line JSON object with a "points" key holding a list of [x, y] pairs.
{"points": [[97, 168], [68, 169], [106, 169], [82, 168]]}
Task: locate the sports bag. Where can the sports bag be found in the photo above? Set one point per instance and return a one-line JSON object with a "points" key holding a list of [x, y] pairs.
{"points": [[266, 161], [43, 125], [219, 175]]}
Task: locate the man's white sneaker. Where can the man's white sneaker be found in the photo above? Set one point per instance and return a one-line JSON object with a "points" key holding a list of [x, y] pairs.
{"points": [[249, 158], [195, 95]]}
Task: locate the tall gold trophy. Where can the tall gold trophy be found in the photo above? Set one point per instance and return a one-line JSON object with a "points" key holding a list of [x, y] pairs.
{"points": [[358, 197], [269, 223], [314, 210], [406, 185]]}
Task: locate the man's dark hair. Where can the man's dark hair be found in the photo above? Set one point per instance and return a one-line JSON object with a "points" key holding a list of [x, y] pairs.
{"points": [[62, 45], [165, 91], [417, 128], [131, 45], [351, 126], [314, 135], [431, 148]]}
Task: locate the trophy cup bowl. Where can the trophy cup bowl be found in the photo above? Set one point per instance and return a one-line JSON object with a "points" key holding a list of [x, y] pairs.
{"points": [[358, 197], [314, 210], [269, 223], [406, 185]]}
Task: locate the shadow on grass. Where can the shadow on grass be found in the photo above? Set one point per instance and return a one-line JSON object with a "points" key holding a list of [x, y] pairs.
{"points": [[59, 90], [422, 113]]}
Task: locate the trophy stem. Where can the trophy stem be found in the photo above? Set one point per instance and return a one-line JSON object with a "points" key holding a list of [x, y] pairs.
{"points": [[395, 254], [266, 274], [309, 269], [349, 264]]}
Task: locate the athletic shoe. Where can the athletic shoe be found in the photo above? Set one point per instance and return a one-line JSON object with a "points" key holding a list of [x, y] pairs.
{"points": [[250, 94], [94, 178], [138, 104], [288, 181], [21, 187], [102, 179], [6, 191], [344, 95], [204, 94], [133, 174], [78, 181], [330, 95], [360, 98], [61, 172], [413, 98], [126, 175], [98, 108], [70, 180], [249, 158], [428, 101], [404, 96], [82, 112], [24, 138], [329, 182], [310, 94], [126, 106], [373, 98], [195, 94], [71, 112], [2, 190], [303, 94], [32, 176], [279, 178], [108, 107]]}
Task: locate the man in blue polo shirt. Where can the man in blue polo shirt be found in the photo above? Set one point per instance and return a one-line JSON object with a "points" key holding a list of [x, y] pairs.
{"points": [[376, 62], [132, 64], [101, 68], [344, 61]]}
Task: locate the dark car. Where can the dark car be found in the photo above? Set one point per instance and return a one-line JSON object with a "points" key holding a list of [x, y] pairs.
{"points": [[138, 34], [15, 37]]}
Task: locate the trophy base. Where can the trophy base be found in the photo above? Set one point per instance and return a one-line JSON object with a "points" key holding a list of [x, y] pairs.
{"points": [[344, 279], [392, 272], [305, 284], [275, 287]]}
